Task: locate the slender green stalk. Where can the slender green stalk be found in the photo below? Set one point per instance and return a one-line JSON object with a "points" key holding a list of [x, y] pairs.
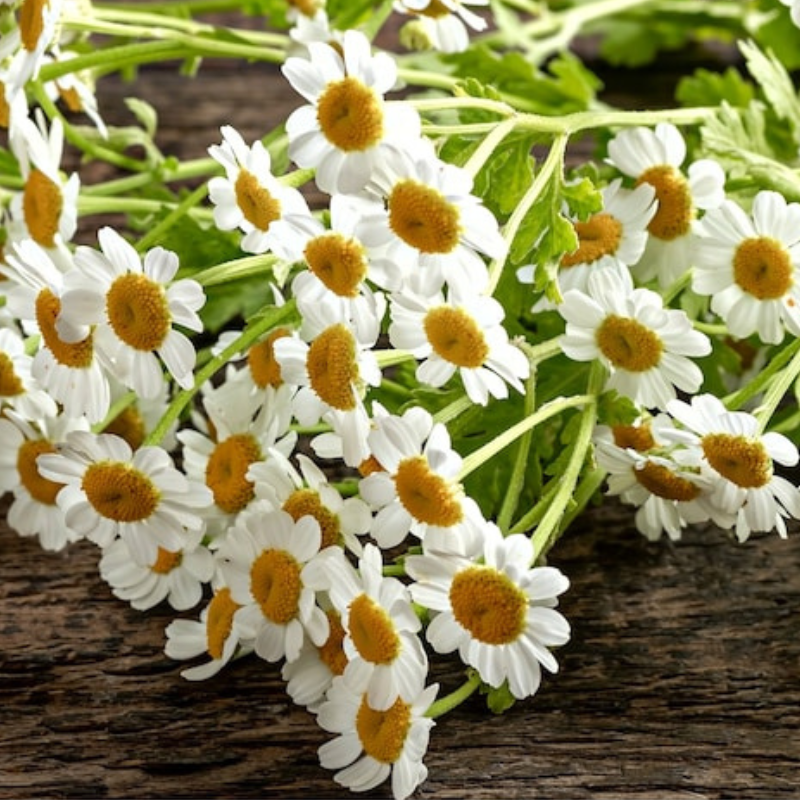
{"points": [[447, 703], [755, 386], [246, 267], [777, 389]]}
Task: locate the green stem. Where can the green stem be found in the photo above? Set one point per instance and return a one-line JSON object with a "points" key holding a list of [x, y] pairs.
{"points": [[453, 410], [776, 391], [190, 201], [250, 335], [490, 449], [116, 408], [489, 144], [738, 398], [546, 531], [455, 698], [246, 267]]}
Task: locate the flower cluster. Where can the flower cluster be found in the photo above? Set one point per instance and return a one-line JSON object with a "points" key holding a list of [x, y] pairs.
{"points": [[321, 478]]}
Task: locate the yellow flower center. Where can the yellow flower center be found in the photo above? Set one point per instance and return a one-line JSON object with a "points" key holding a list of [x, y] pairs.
{"points": [[276, 586], [332, 367], [42, 490], [428, 497], [264, 367], [488, 604], [307, 502], [423, 218], [332, 652], [119, 492], [628, 344], [72, 100], [372, 631], [77, 355], [598, 236], [5, 110], [306, 7], [219, 621], [456, 337], [636, 437], [434, 9], [742, 461], [226, 471], [128, 425], [675, 207], [663, 482], [383, 733], [369, 465], [350, 115], [338, 262], [31, 22], [166, 561], [762, 267], [10, 383], [42, 204], [256, 202], [138, 311]]}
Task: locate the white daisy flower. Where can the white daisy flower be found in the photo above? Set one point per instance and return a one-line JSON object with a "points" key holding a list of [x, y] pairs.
{"points": [[47, 208], [385, 657], [445, 22], [671, 490], [465, 336], [263, 559], [70, 371], [644, 345], [613, 237], [309, 677], [19, 390], [656, 157], [217, 634], [742, 460], [372, 744], [252, 199], [243, 430], [111, 491], [33, 510], [498, 612], [750, 266], [338, 265], [346, 128], [177, 576], [311, 24], [308, 492], [430, 222], [135, 304], [416, 489]]}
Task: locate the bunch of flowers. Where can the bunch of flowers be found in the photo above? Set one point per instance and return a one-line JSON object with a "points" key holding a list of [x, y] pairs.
{"points": [[343, 437]]}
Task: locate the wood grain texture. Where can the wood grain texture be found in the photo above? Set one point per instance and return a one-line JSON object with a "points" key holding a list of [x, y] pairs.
{"points": [[682, 679]]}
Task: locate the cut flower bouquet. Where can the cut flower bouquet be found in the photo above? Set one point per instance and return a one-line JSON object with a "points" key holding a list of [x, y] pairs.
{"points": [[343, 435]]}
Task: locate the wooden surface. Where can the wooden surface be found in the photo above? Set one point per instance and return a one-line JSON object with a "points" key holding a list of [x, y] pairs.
{"points": [[682, 679]]}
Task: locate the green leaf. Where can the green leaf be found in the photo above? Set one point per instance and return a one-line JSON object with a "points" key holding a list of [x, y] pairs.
{"points": [[782, 37], [506, 176], [500, 699], [707, 88], [144, 113], [775, 81]]}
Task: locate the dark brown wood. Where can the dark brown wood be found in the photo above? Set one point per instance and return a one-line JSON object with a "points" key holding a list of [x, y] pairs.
{"points": [[682, 679]]}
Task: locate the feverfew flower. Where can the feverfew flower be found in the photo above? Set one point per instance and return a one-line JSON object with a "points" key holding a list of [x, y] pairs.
{"points": [[263, 561], [385, 657], [416, 488], [427, 219], [111, 491], [445, 21], [346, 129], [741, 458], [656, 157], [750, 266], [465, 336], [373, 744], [135, 304], [644, 345], [498, 611], [177, 576], [19, 390], [252, 199], [217, 634]]}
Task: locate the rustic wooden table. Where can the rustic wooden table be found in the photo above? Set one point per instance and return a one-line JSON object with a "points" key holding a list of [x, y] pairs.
{"points": [[682, 679]]}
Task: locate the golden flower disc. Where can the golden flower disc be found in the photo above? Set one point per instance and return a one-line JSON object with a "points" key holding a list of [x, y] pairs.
{"points": [[742, 461], [78, 355], [428, 497], [256, 202], [637, 437], [138, 311], [129, 425], [763, 268], [276, 586], [226, 471], [41, 489], [10, 383], [307, 502], [42, 204], [423, 218], [340, 263], [663, 482], [628, 344], [372, 631], [350, 116], [264, 367], [219, 621], [166, 561], [488, 604], [598, 236], [31, 22], [675, 207], [119, 492], [332, 367], [332, 652], [456, 337], [383, 733]]}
